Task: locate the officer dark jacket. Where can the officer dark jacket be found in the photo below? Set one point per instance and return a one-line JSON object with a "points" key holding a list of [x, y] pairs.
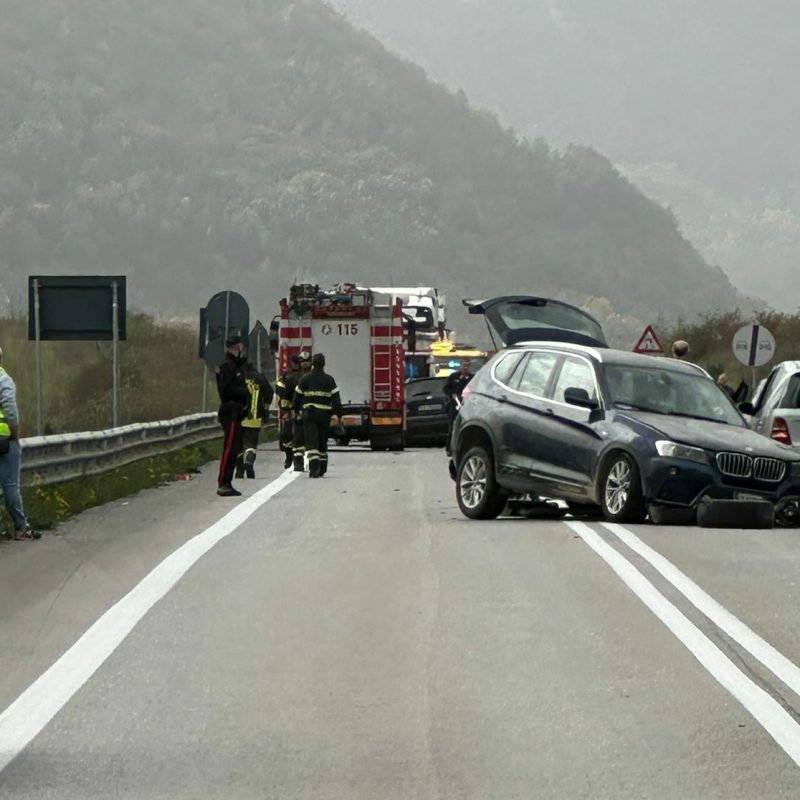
{"points": [[455, 385], [234, 396], [318, 390]]}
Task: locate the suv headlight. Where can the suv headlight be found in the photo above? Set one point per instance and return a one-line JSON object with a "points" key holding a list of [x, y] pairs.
{"points": [[682, 451]]}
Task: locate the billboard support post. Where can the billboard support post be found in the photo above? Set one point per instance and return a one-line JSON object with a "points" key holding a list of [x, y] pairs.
{"points": [[115, 356], [38, 335], [205, 370]]}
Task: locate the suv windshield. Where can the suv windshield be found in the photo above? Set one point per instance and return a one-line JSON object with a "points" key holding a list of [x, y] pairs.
{"points": [[663, 391]]}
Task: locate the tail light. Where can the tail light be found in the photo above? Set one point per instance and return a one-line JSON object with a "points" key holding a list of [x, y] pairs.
{"points": [[780, 431]]}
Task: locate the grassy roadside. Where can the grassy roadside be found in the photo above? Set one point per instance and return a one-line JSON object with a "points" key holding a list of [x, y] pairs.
{"points": [[46, 506]]}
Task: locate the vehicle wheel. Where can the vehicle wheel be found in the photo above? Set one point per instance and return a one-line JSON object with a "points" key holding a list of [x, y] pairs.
{"points": [[621, 490], [585, 510], [477, 492], [787, 513], [392, 442]]}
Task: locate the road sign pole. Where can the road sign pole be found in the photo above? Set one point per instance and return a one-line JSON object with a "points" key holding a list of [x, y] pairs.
{"points": [[226, 333], [38, 335], [115, 356], [205, 370]]}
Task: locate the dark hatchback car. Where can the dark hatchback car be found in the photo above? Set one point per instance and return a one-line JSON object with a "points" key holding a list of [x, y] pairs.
{"points": [[426, 411], [559, 415]]}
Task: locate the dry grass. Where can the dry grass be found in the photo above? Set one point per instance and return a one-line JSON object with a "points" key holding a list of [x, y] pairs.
{"points": [[160, 376]]}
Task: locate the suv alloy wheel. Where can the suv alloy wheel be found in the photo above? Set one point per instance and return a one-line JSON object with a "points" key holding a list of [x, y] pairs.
{"points": [[477, 492]]}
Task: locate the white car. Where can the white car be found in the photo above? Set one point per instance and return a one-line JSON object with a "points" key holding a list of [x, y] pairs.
{"points": [[775, 410]]}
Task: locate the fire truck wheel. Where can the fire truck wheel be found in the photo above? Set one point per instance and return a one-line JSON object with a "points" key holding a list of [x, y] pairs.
{"points": [[393, 442]]}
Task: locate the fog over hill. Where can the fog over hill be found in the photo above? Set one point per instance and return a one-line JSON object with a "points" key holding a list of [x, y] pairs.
{"points": [[197, 146]]}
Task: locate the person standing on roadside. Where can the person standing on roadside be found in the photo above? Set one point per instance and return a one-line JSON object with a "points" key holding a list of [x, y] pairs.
{"points": [[234, 400], [261, 395], [11, 457], [317, 400], [725, 385], [680, 349], [454, 391]]}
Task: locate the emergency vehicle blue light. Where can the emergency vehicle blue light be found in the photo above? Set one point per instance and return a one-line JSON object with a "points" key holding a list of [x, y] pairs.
{"points": [[453, 364]]}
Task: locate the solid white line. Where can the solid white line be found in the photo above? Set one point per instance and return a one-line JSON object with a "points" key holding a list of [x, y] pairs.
{"points": [[767, 711], [25, 718], [771, 658]]}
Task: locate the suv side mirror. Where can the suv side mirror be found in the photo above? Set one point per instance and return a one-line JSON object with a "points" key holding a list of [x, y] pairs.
{"points": [[580, 398], [747, 408]]}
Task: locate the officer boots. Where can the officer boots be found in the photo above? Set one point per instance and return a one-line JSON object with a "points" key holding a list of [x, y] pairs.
{"points": [[314, 469], [299, 466], [288, 460]]}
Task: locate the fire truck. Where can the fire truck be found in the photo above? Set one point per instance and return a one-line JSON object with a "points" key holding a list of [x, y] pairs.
{"points": [[360, 332]]}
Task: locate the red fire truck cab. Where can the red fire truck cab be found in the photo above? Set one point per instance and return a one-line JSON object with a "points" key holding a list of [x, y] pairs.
{"points": [[360, 332]]}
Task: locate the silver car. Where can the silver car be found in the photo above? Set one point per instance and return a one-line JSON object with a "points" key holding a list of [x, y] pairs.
{"points": [[775, 410]]}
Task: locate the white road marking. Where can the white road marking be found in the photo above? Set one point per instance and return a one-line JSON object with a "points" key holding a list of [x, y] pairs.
{"points": [[766, 710], [771, 658], [25, 718]]}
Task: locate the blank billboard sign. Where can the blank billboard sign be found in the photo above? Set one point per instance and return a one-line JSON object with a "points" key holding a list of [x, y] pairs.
{"points": [[73, 308]]}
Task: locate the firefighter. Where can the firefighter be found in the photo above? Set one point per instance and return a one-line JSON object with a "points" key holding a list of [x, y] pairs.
{"points": [[285, 387], [317, 400], [298, 431], [234, 400], [261, 395]]}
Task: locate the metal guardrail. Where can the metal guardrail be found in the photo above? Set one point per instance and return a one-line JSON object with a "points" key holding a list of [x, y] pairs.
{"points": [[63, 457]]}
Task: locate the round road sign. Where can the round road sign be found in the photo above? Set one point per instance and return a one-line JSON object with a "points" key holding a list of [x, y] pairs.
{"points": [[754, 345]]}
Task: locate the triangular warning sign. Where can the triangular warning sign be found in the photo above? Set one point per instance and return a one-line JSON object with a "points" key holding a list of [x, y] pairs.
{"points": [[649, 344]]}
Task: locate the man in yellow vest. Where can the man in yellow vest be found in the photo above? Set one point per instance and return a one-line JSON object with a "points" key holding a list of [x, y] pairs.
{"points": [[261, 395], [11, 456]]}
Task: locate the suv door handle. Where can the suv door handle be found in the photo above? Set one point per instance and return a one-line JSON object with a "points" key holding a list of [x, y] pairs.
{"points": [[502, 398], [549, 411]]}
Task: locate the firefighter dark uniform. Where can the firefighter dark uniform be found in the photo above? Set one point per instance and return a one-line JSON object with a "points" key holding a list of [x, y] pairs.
{"points": [[285, 387], [261, 395], [298, 429], [316, 399], [234, 399]]}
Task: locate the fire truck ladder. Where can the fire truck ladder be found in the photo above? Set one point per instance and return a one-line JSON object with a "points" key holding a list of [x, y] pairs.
{"points": [[382, 372]]}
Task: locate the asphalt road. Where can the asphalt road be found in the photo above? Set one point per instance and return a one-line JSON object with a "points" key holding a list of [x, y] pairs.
{"points": [[356, 637]]}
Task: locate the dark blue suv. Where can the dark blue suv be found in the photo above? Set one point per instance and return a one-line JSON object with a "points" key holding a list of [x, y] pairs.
{"points": [[558, 414]]}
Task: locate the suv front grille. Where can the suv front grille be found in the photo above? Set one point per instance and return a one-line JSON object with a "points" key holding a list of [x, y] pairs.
{"points": [[739, 465], [735, 465], [769, 469]]}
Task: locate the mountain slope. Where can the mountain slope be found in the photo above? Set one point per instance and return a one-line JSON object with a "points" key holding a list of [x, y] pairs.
{"points": [[199, 146]]}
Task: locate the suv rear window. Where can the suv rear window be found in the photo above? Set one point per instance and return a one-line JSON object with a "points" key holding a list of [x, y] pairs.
{"points": [[505, 367], [792, 397], [537, 372]]}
